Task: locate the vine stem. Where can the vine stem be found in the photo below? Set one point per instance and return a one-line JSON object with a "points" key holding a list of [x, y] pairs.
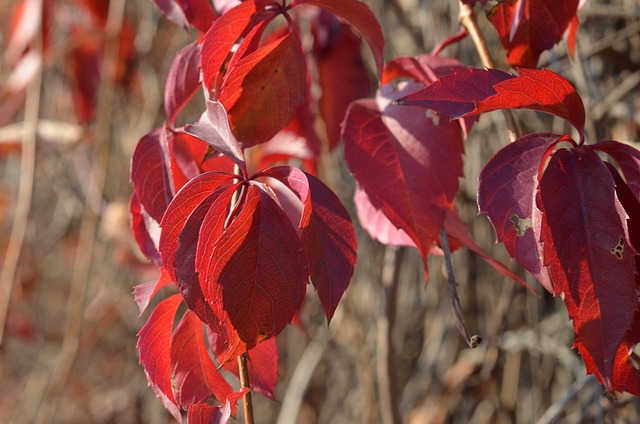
{"points": [[472, 341], [469, 21], [243, 371]]}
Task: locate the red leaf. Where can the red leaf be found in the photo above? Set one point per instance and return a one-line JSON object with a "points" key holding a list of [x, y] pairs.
{"points": [[408, 166], [252, 89], [253, 273], [262, 363], [171, 10], [507, 194], [328, 237], [185, 255], [183, 80], [142, 293], [455, 95], [342, 74], [178, 211], [376, 224], [149, 175], [540, 90], [202, 413], [195, 374], [223, 34], [527, 28], [154, 341], [358, 15], [213, 128], [590, 261]]}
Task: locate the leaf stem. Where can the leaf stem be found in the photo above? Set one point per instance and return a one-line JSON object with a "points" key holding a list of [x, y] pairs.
{"points": [[243, 371], [472, 341], [468, 20]]}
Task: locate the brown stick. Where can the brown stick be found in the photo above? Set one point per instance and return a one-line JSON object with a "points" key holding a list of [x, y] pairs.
{"points": [[467, 18], [25, 190], [386, 355], [243, 370]]}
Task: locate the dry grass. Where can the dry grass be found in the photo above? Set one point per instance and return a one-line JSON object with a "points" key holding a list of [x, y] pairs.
{"points": [[69, 354]]}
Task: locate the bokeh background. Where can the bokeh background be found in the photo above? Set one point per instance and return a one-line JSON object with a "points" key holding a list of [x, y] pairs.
{"points": [[68, 348]]}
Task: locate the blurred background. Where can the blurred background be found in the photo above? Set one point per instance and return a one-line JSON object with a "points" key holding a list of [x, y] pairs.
{"points": [[69, 322]]}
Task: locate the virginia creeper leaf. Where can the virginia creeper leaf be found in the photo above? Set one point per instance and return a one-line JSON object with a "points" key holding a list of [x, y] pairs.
{"points": [[253, 91], [455, 95], [195, 374], [507, 194], [253, 273], [529, 27], [185, 254], [540, 90], [423, 68], [358, 15], [342, 74], [139, 221], [179, 210], [590, 261], [223, 34], [627, 158], [201, 413], [262, 362], [172, 10], [408, 166], [183, 80], [213, 128], [142, 293], [154, 341], [149, 175]]}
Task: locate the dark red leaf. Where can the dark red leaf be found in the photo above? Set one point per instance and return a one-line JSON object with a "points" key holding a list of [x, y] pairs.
{"points": [[507, 194], [185, 255], [253, 273], [223, 34], [358, 15], [199, 13], [213, 128], [540, 90], [627, 158], [178, 211], [188, 154], [142, 227], [408, 166], [590, 261], [527, 28], [183, 80], [149, 175], [328, 237], [423, 68], [154, 341], [455, 95], [342, 74], [252, 90], [195, 376]]}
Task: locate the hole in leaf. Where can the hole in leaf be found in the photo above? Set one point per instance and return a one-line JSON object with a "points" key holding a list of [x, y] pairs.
{"points": [[634, 357], [521, 225], [618, 250]]}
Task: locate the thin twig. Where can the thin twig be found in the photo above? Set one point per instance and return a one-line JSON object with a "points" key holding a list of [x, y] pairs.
{"points": [[243, 370], [88, 227], [467, 18], [554, 412], [387, 386], [25, 192], [472, 341]]}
